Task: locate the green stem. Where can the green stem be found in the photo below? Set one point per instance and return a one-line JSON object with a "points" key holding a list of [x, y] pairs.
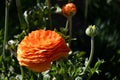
{"points": [[18, 4], [69, 0], [20, 15], [70, 29], [86, 11], [86, 8], [22, 72], [66, 26], [31, 75], [7, 5], [91, 55], [49, 13]]}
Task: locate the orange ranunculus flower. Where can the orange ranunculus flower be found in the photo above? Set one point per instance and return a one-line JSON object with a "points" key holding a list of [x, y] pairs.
{"points": [[69, 9], [37, 50]]}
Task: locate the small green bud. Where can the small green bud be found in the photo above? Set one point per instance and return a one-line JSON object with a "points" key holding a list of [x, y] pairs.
{"points": [[91, 31]]}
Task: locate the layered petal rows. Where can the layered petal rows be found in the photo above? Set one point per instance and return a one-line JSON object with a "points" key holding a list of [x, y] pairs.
{"points": [[37, 50]]}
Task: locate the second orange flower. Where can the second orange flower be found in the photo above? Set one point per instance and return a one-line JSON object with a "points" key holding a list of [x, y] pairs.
{"points": [[69, 9]]}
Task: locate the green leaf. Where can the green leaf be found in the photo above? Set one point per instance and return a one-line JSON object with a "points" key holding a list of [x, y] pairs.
{"points": [[97, 65]]}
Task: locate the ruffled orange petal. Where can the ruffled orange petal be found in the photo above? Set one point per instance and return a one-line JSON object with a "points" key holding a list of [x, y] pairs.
{"points": [[37, 50]]}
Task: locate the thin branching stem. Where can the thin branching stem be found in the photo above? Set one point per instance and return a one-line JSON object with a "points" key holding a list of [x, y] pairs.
{"points": [[49, 13], [18, 4], [66, 26], [69, 0], [86, 11], [70, 29], [21, 19], [91, 55], [20, 15], [7, 5], [22, 72]]}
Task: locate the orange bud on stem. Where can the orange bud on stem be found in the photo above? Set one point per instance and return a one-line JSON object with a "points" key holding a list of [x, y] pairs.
{"points": [[69, 10]]}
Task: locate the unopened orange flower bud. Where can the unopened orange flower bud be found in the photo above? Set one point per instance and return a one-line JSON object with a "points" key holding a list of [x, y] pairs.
{"points": [[69, 9]]}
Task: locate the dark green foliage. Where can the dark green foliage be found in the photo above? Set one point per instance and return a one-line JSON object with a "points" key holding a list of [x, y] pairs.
{"points": [[105, 14]]}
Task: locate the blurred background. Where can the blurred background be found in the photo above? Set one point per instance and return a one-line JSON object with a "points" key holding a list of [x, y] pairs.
{"points": [[105, 14]]}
